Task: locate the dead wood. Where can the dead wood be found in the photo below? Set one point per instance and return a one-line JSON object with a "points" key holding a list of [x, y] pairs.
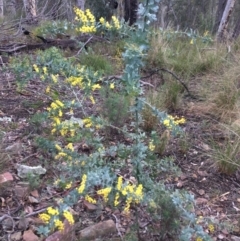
{"points": [[72, 44]]}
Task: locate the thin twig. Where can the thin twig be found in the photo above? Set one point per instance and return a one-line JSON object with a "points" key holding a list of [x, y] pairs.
{"points": [[32, 214], [117, 226], [175, 76], [80, 50]]}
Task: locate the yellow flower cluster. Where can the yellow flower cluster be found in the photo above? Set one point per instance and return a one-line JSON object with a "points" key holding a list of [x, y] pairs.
{"points": [[68, 216], [171, 121], [151, 146], [61, 152], [52, 213], [104, 192], [134, 193], [211, 228], [90, 200], [95, 87], [56, 107], [58, 224], [83, 184], [87, 21], [115, 23], [75, 81], [87, 122]]}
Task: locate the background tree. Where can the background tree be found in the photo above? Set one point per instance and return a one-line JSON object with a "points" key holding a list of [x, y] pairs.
{"points": [[1, 9], [30, 9], [221, 33]]}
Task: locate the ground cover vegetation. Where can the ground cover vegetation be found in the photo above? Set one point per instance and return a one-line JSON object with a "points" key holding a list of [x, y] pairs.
{"points": [[110, 122]]}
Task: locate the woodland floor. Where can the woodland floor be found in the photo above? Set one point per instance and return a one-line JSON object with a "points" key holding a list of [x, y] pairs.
{"points": [[217, 195]]}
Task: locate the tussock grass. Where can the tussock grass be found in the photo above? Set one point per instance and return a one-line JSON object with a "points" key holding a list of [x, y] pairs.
{"points": [[182, 57], [226, 154]]}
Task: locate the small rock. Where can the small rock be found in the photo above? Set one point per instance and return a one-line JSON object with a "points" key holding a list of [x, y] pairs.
{"points": [[24, 171], [89, 206], [35, 193], [6, 177], [30, 236], [200, 201], [16, 236], [98, 230], [201, 192], [32, 199]]}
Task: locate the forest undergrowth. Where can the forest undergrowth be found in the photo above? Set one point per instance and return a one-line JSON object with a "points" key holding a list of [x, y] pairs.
{"points": [[110, 124]]}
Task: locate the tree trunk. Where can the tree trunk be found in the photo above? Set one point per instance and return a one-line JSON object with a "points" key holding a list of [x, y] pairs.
{"points": [[1, 9], [222, 30], [130, 11], [236, 31], [220, 9], [30, 9], [12, 7], [80, 4]]}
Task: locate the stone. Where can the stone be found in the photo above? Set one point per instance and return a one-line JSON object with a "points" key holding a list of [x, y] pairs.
{"points": [[30, 236], [6, 177], [24, 171], [16, 236], [98, 230]]}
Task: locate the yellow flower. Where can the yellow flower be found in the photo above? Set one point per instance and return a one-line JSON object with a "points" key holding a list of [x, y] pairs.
{"points": [[60, 113], [52, 211], [70, 146], [69, 185], [36, 68], [90, 200], [47, 89], [116, 200], [92, 99], [102, 20], [96, 86], [191, 42], [151, 146], [199, 239], [44, 217], [57, 182], [119, 183], [83, 184], [59, 148], [127, 206], [59, 224], [104, 192], [68, 216], [112, 86], [59, 103], [211, 228], [54, 78], [116, 22], [45, 70]]}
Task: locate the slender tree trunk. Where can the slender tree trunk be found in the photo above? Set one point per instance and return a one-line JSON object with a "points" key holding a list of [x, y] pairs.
{"points": [[12, 7], [219, 13], [80, 4], [1, 9], [130, 11], [222, 30], [236, 31], [30, 9]]}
